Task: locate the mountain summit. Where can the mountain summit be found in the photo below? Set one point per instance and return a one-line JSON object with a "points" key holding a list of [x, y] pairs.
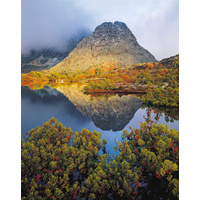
{"points": [[110, 42]]}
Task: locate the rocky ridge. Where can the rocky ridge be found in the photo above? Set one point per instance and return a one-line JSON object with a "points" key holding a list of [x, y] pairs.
{"points": [[110, 42]]}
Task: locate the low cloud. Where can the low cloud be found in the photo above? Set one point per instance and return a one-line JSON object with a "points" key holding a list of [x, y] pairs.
{"points": [[49, 23], [155, 23]]}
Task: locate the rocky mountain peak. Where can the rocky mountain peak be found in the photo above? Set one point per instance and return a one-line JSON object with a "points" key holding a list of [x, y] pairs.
{"points": [[112, 30], [122, 25], [111, 26], [115, 33], [110, 42]]}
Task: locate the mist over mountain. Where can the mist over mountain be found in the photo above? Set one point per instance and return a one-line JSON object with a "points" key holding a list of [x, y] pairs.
{"points": [[40, 58], [110, 42], [48, 23]]}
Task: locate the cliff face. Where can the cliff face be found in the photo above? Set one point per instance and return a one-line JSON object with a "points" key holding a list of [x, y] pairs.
{"points": [[110, 42], [112, 113], [117, 39]]}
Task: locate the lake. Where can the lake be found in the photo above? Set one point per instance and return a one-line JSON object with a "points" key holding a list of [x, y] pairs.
{"points": [[108, 115]]}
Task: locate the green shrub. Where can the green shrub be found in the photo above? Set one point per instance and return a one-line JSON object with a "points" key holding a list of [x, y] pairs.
{"points": [[56, 162], [154, 151], [60, 164], [36, 74]]}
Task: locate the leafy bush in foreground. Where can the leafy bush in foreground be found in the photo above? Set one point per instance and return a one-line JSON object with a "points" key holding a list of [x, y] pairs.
{"points": [[56, 162], [60, 164], [156, 148]]}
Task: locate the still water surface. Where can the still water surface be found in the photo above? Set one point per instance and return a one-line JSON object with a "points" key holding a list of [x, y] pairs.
{"points": [[108, 116]]}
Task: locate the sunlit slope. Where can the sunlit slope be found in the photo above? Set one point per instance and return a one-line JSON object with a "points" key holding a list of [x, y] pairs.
{"points": [[109, 43]]}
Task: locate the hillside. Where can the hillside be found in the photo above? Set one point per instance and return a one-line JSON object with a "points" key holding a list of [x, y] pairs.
{"points": [[110, 43], [158, 80]]}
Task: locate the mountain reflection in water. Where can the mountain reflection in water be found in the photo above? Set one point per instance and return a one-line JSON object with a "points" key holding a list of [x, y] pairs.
{"points": [[111, 113], [107, 115]]}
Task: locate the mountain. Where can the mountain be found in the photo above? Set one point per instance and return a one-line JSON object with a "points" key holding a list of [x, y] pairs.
{"points": [[44, 58], [110, 43]]}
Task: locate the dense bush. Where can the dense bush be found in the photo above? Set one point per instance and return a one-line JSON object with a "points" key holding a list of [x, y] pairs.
{"points": [[55, 76], [105, 84], [60, 164], [36, 74], [57, 163], [168, 97], [156, 148], [163, 89]]}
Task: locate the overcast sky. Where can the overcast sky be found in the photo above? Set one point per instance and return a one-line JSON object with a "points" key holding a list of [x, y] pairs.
{"points": [[155, 23]]}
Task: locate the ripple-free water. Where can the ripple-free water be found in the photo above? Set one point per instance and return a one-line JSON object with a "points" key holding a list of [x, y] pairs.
{"points": [[39, 106]]}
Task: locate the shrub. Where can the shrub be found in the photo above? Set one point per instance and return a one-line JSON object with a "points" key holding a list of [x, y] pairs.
{"points": [[60, 164], [154, 151], [36, 74], [57, 163]]}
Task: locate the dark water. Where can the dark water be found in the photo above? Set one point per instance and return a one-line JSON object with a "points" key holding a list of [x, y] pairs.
{"points": [[107, 116]]}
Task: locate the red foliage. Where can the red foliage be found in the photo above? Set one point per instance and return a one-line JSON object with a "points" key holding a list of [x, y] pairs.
{"points": [[175, 149], [154, 144], [56, 158], [45, 170], [137, 137], [136, 131], [158, 175], [38, 176], [136, 150], [171, 144], [139, 184], [135, 193], [143, 163], [75, 194], [68, 137]]}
